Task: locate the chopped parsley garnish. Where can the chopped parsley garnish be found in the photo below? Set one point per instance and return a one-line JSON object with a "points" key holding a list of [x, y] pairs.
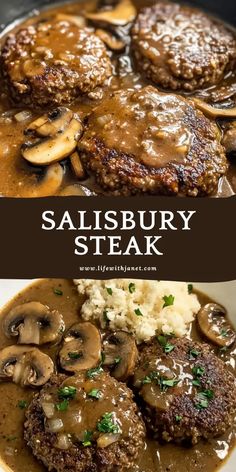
{"points": [[196, 383], [190, 288], [166, 346], [67, 393], [147, 380], [91, 373], [132, 287], [117, 360], [169, 300], [224, 333], [178, 418], [163, 382], [22, 404], [57, 291], [203, 399], [63, 406], [198, 371], [103, 356], [193, 354], [95, 393], [74, 355], [105, 317], [109, 290], [87, 441], [107, 425], [138, 312]]}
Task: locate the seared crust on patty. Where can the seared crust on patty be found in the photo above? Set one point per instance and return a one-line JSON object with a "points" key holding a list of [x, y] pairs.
{"points": [[144, 141], [118, 456], [39, 71], [184, 420], [180, 47]]}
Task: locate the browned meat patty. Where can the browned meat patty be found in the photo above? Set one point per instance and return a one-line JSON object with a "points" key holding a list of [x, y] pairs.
{"points": [[179, 47], [187, 392], [146, 141], [53, 62], [98, 426]]}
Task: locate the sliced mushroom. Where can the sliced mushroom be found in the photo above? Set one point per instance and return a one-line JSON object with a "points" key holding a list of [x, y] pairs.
{"points": [[214, 112], [51, 123], [121, 353], [77, 190], [77, 20], [77, 166], [81, 348], [49, 184], [45, 151], [123, 13], [215, 326], [110, 40], [25, 365], [33, 323], [229, 139]]}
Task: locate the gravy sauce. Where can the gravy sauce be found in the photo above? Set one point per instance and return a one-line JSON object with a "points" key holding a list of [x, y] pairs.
{"points": [[19, 179], [205, 456]]}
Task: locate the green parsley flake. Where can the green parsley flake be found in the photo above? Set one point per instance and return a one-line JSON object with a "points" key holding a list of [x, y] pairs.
{"points": [[91, 373], [203, 399], [224, 333], [196, 383], [74, 355], [63, 406], [198, 371], [178, 418], [22, 404], [105, 317], [132, 287], [107, 425], [193, 354], [109, 290], [67, 393], [95, 393], [166, 346], [138, 312], [169, 300], [57, 291], [190, 288], [87, 441]]}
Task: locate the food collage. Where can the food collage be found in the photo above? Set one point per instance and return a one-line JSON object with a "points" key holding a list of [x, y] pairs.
{"points": [[109, 99]]}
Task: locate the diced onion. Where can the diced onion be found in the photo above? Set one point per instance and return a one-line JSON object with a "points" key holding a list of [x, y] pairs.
{"points": [[55, 425], [23, 116], [106, 440], [48, 409], [63, 442]]}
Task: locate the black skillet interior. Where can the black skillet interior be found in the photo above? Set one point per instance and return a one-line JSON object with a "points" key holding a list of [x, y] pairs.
{"points": [[13, 9]]}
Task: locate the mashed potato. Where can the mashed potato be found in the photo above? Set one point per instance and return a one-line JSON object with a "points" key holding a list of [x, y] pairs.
{"points": [[139, 306]]}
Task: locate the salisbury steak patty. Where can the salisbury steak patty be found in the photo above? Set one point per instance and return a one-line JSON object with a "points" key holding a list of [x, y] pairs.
{"points": [[181, 47], [186, 391], [53, 62], [150, 142], [98, 426]]}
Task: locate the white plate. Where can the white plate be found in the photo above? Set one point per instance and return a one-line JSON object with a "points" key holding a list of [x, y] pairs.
{"points": [[224, 293]]}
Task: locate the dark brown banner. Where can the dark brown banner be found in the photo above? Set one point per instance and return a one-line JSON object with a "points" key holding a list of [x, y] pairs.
{"points": [[90, 237]]}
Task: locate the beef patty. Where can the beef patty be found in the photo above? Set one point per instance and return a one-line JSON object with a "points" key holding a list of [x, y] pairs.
{"points": [[186, 391], [53, 62], [179, 47], [149, 142], [98, 425]]}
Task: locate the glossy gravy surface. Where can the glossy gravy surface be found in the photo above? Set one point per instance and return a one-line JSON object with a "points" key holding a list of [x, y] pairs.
{"points": [[19, 179], [206, 456]]}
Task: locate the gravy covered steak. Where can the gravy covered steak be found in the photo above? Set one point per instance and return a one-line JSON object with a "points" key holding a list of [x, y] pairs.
{"points": [[187, 393], [108, 435], [53, 62], [180, 47], [146, 141]]}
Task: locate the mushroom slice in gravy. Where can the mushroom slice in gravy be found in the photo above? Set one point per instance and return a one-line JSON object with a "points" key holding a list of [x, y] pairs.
{"points": [[45, 151], [33, 323], [81, 348], [215, 326], [51, 123], [25, 365], [122, 14], [121, 353]]}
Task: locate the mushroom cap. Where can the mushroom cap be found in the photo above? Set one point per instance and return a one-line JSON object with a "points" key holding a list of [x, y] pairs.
{"points": [[214, 325], [123, 13], [33, 323], [49, 184], [81, 349], [51, 123], [121, 352], [25, 365]]}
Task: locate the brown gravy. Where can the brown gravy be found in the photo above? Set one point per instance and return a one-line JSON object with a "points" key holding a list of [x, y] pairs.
{"points": [[207, 456], [19, 179]]}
